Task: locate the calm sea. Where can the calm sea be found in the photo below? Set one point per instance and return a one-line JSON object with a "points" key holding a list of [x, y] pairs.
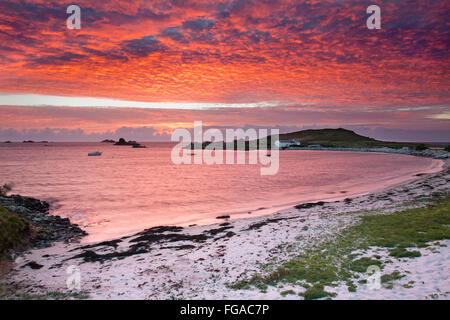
{"points": [[127, 190]]}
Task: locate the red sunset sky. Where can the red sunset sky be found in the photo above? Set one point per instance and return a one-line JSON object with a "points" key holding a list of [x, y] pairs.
{"points": [[163, 64]]}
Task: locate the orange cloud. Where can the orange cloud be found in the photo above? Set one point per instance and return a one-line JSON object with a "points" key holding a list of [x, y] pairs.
{"points": [[230, 51]]}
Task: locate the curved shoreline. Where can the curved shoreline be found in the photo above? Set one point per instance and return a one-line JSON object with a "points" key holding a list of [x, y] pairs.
{"points": [[428, 153], [261, 211], [68, 231], [384, 187], [101, 225], [200, 261]]}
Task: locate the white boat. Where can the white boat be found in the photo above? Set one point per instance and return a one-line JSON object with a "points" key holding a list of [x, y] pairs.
{"points": [[93, 154]]}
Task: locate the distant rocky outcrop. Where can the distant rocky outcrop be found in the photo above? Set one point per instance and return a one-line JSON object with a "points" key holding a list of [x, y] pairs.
{"points": [[123, 142], [29, 141], [108, 141]]}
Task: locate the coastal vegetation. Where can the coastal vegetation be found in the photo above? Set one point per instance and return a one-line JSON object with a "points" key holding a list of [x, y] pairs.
{"points": [[13, 230], [4, 189], [52, 295], [26, 222], [342, 138], [421, 147], [328, 138], [375, 240]]}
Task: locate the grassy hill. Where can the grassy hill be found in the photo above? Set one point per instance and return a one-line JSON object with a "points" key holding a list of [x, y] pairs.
{"points": [[327, 138], [340, 138]]}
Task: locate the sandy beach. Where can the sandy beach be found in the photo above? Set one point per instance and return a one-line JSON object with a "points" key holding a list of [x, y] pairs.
{"points": [[203, 262]]}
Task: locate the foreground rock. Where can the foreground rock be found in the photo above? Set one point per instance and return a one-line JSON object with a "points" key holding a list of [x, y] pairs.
{"points": [[47, 228]]}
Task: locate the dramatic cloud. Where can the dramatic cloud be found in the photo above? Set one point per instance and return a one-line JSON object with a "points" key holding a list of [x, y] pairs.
{"points": [[318, 52]]}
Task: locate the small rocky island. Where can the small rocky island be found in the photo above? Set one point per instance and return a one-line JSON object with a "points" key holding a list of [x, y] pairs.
{"points": [[123, 142]]}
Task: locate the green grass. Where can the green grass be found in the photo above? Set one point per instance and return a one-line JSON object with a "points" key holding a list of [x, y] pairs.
{"points": [[396, 275], [316, 292], [334, 261], [13, 230], [361, 265], [340, 138], [403, 253], [330, 138], [421, 147], [53, 295], [351, 286], [286, 292]]}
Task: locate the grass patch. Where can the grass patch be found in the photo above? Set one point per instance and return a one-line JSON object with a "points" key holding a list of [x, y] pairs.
{"points": [[362, 264], [351, 286], [403, 253], [286, 292], [316, 292], [53, 295], [409, 285], [391, 277], [334, 261], [13, 230]]}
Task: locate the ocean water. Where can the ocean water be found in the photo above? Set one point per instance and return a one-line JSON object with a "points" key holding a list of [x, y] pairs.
{"points": [[127, 190]]}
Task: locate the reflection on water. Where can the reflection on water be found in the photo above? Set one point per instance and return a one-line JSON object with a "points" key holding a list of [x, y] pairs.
{"points": [[126, 190]]}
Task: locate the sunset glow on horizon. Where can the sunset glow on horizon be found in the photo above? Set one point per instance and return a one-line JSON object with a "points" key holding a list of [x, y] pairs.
{"points": [[147, 67]]}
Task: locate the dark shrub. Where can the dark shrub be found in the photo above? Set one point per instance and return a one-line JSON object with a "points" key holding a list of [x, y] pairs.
{"points": [[421, 147], [4, 189]]}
